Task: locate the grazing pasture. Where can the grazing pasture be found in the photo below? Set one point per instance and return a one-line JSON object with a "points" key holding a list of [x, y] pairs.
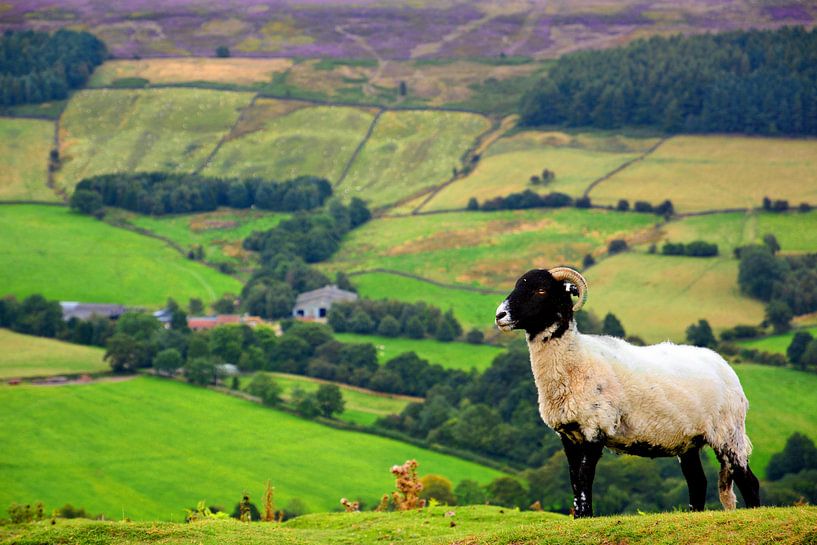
{"points": [[24, 148], [716, 172], [657, 297], [150, 448], [105, 131], [507, 166], [409, 152], [220, 233], [774, 343], [795, 231], [282, 140], [487, 249], [362, 406], [472, 309], [451, 355], [28, 356], [71, 257], [471, 524], [239, 71]]}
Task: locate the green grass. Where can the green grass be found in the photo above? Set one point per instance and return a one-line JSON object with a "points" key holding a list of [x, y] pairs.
{"points": [[362, 406], [105, 131], [488, 249], [220, 233], [510, 162], [280, 143], [658, 297], [70, 257], [473, 310], [24, 148], [150, 447], [796, 232], [774, 343], [781, 402], [27, 356], [473, 525], [453, 355], [43, 110], [716, 172], [411, 151]]}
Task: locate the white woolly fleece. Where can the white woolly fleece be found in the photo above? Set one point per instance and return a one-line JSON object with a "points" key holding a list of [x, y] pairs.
{"points": [[665, 395]]}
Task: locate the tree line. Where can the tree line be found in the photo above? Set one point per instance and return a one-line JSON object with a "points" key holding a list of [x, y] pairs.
{"points": [[528, 198], [391, 318], [160, 193], [754, 82], [41, 66]]}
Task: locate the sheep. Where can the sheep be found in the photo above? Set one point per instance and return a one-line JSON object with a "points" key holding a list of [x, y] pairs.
{"points": [[601, 391]]}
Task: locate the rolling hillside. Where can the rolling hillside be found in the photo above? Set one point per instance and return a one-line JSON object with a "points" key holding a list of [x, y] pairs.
{"points": [[151, 447], [24, 148], [66, 256], [27, 356]]}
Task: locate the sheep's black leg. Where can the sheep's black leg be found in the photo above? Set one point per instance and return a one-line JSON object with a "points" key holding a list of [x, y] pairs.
{"points": [[696, 478], [747, 484], [582, 458]]}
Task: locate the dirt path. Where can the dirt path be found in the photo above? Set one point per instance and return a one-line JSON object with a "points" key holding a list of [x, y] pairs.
{"points": [[49, 381], [368, 88]]}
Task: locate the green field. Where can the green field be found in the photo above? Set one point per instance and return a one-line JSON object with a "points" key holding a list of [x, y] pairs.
{"points": [[656, 297], [488, 249], [148, 448], [282, 140], [775, 343], [471, 309], [717, 172], [105, 131], [453, 355], [24, 148], [795, 231], [27, 356], [781, 402], [410, 151], [473, 525], [220, 233], [510, 162], [362, 406], [70, 257]]}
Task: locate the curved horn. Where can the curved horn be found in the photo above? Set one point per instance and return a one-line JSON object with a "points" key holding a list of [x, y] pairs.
{"points": [[566, 273]]}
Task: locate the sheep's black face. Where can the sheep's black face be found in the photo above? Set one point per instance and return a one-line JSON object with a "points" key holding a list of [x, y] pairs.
{"points": [[538, 303]]}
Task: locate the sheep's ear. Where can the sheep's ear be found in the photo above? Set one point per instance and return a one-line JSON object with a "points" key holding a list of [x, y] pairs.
{"points": [[572, 289]]}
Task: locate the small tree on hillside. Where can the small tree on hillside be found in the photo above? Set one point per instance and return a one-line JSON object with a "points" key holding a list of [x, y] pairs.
{"points": [[222, 52], [438, 488], [700, 334], [779, 315], [85, 201], [809, 357], [264, 387], [330, 400], [612, 326], [167, 362], [798, 454], [798, 346], [389, 326], [200, 371]]}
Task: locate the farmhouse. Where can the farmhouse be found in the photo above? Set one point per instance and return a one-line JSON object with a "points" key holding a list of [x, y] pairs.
{"points": [[85, 311], [315, 305]]}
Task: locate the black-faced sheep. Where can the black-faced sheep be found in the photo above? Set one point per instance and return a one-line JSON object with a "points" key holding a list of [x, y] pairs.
{"points": [[600, 391]]}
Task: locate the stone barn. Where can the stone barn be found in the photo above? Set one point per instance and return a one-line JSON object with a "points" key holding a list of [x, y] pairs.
{"points": [[314, 305]]}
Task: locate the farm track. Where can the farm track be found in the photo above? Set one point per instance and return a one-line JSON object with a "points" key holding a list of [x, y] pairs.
{"points": [[359, 147], [226, 136], [472, 289], [623, 166]]}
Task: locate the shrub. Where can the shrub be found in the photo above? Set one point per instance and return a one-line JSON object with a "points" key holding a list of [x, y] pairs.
{"points": [[472, 204], [19, 514], [740, 332], [798, 454], [612, 326], [470, 492], [507, 491], [616, 246], [700, 334], [798, 346], [168, 361], [643, 206], [438, 488], [330, 400], [200, 371], [263, 386], [475, 336], [389, 327], [583, 202], [588, 261], [623, 205], [86, 202]]}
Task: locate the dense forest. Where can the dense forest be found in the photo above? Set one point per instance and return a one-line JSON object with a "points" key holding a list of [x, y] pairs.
{"points": [[755, 82], [160, 193], [38, 66]]}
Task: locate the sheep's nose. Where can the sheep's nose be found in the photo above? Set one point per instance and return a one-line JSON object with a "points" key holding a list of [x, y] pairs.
{"points": [[501, 315]]}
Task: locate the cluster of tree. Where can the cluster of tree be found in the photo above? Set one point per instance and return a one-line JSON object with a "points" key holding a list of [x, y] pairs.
{"points": [[802, 350], [392, 318], [326, 401], [792, 473], [664, 208], [160, 193], [696, 248], [756, 82], [38, 66], [782, 205], [547, 177], [36, 315], [788, 284], [528, 199]]}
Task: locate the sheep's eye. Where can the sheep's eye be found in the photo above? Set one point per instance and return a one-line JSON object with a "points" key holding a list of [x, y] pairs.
{"points": [[541, 291]]}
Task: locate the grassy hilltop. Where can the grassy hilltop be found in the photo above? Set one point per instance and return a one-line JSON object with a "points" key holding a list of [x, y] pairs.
{"points": [[473, 525]]}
